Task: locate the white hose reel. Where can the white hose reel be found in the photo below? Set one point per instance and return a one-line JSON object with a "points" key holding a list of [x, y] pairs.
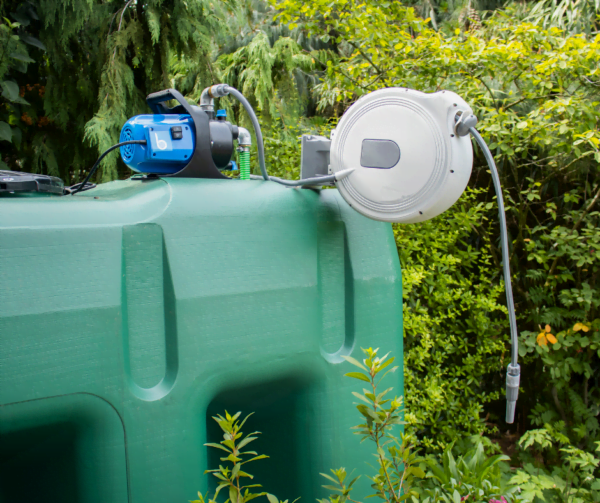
{"points": [[399, 155], [409, 164]]}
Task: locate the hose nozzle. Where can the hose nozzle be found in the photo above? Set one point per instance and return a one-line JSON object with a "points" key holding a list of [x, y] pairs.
{"points": [[513, 377]]}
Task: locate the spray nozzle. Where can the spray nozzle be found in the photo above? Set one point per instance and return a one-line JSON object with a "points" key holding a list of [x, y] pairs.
{"points": [[513, 377]]}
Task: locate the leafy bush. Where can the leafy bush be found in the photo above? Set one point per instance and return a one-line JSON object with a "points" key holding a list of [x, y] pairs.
{"points": [[535, 91], [473, 476], [14, 60], [400, 474], [396, 472], [455, 329], [571, 479], [570, 362], [231, 478]]}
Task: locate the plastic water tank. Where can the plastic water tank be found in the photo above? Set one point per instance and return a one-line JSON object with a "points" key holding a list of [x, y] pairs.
{"points": [[132, 313]]}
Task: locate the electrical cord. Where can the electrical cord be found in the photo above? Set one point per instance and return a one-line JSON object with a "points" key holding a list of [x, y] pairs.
{"points": [[80, 187], [513, 373]]}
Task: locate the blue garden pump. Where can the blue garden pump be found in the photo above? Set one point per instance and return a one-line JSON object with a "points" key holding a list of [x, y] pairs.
{"points": [[182, 141]]}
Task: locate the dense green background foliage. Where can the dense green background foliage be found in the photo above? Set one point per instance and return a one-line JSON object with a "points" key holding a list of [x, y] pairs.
{"points": [[73, 72], [93, 64]]}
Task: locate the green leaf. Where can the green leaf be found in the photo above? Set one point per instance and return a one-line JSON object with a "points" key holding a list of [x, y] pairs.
{"points": [[272, 498], [328, 477], [10, 90], [217, 446], [5, 132], [418, 472], [261, 456], [358, 375], [22, 57], [354, 362], [28, 39], [246, 441], [245, 419], [385, 364], [219, 487], [361, 397], [353, 481], [233, 494]]}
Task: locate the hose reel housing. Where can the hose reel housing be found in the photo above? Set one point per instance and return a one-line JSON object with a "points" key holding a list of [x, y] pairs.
{"points": [[409, 165]]}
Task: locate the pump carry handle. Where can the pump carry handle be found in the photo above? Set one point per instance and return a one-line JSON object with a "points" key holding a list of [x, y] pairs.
{"points": [[155, 100]]}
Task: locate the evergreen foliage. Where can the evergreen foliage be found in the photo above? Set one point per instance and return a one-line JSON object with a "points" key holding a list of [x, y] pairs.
{"points": [[101, 59], [266, 72]]}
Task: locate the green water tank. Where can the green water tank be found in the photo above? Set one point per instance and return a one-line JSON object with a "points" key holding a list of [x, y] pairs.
{"points": [[132, 313]]}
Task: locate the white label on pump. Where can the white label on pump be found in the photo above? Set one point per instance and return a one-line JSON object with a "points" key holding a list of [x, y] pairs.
{"points": [[161, 140]]}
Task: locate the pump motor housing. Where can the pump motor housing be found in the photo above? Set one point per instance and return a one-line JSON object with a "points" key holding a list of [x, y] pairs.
{"points": [[170, 142]]}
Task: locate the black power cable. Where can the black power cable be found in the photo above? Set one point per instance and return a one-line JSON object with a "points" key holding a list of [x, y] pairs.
{"points": [[82, 186]]}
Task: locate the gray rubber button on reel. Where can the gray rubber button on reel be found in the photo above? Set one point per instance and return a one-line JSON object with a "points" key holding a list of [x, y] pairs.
{"points": [[381, 154]]}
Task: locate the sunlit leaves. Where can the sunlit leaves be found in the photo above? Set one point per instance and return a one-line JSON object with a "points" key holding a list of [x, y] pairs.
{"points": [[536, 93], [580, 326], [544, 337], [396, 464], [231, 476]]}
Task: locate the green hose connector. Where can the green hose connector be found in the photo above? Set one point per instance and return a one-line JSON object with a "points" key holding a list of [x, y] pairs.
{"points": [[244, 158]]}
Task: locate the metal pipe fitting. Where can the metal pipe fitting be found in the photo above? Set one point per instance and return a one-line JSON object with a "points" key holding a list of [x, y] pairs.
{"points": [[207, 98], [220, 90], [244, 138]]}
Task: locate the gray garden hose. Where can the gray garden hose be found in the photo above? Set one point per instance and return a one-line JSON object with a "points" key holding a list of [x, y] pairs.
{"points": [[315, 180], [220, 90], [513, 373]]}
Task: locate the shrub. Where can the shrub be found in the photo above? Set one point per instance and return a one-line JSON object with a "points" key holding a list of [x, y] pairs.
{"points": [[399, 474], [536, 93]]}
